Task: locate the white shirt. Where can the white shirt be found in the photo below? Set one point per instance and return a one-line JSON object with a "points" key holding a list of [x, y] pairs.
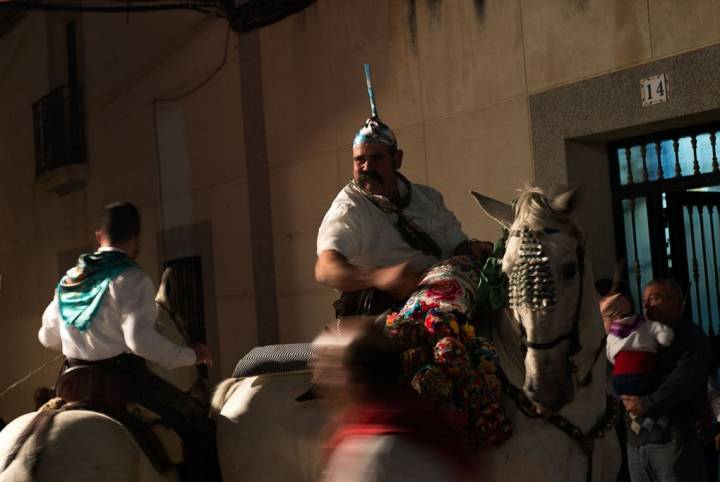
{"points": [[123, 323], [368, 237]]}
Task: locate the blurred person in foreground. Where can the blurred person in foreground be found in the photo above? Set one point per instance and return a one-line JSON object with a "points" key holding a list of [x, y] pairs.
{"points": [[386, 433]]}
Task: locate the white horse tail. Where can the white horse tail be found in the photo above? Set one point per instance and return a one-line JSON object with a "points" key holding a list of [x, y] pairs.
{"points": [[222, 393]]}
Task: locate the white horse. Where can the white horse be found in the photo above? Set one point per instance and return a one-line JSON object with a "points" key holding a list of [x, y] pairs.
{"points": [[86, 446], [552, 356]]}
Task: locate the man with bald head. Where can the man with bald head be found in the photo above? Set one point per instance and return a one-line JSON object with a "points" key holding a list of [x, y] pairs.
{"points": [[662, 426]]}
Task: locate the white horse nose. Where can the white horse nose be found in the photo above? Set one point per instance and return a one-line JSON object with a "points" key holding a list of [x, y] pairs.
{"points": [[548, 395]]}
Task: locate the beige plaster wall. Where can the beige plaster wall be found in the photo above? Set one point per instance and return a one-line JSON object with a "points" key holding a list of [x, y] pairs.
{"points": [[200, 175], [452, 77]]}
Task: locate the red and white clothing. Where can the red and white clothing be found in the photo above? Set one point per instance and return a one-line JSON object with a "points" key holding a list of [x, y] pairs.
{"points": [[398, 439], [634, 333], [632, 345]]}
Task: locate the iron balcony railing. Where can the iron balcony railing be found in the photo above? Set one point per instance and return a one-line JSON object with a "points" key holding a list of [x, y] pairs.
{"points": [[59, 130]]}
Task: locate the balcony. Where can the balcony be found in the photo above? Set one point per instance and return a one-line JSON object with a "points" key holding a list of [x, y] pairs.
{"points": [[60, 162]]}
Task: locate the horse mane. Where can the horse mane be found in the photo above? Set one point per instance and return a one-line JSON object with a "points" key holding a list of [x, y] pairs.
{"points": [[532, 208]]}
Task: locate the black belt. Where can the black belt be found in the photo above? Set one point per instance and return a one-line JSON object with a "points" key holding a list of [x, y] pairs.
{"points": [[122, 361]]}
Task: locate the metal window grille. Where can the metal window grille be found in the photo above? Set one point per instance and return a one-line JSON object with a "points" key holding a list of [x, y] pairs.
{"points": [[667, 214], [59, 130], [186, 295]]}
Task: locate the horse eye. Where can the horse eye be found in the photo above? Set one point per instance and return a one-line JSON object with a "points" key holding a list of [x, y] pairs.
{"points": [[569, 270]]}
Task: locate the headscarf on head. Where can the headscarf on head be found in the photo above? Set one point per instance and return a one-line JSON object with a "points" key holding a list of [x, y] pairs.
{"points": [[374, 131]]}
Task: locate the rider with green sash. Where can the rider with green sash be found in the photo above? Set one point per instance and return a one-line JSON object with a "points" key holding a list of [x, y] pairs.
{"points": [[103, 316]]}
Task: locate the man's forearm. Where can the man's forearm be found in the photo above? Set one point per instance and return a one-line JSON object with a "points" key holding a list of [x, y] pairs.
{"points": [[332, 269], [399, 280], [481, 250]]}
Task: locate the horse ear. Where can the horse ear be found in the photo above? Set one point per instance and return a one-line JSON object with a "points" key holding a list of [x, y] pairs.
{"points": [[563, 201], [499, 211], [163, 293]]}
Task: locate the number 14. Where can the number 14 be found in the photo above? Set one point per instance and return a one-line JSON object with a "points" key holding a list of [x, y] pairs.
{"points": [[660, 90]]}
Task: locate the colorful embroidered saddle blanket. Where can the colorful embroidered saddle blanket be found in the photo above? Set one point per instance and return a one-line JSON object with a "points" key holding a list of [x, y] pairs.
{"points": [[443, 360]]}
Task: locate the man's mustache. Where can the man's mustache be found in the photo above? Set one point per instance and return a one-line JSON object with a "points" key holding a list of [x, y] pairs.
{"points": [[370, 176]]}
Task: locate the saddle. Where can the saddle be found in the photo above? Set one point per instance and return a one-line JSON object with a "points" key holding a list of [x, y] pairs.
{"points": [[270, 359], [273, 359], [97, 389]]}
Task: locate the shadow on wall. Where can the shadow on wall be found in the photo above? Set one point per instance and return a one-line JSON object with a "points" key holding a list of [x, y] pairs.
{"points": [[434, 9], [588, 166]]}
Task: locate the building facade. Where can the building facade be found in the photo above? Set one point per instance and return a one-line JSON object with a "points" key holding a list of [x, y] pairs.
{"points": [[234, 145]]}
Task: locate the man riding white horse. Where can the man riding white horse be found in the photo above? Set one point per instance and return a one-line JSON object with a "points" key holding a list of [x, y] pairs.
{"points": [[382, 231], [103, 317], [549, 347]]}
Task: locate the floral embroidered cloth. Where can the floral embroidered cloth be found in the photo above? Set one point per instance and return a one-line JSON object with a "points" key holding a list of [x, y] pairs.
{"points": [[443, 359]]}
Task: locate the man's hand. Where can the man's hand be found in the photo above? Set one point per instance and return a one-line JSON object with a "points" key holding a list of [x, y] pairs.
{"points": [[717, 442], [202, 354], [402, 279], [332, 269], [633, 406], [399, 280], [481, 249]]}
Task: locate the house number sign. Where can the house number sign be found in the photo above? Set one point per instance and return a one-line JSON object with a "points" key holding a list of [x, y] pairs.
{"points": [[653, 90]]}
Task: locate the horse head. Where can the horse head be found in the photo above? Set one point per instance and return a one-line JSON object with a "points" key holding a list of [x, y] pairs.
{"points": [[545, 264]]}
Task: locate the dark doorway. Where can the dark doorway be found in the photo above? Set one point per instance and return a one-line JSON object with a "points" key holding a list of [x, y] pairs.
{"points": [[666, 197]]}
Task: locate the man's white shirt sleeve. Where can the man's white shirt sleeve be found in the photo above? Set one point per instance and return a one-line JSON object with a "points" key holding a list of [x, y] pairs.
{"points": [[135, 297], [124, 322], [340, 229], [49, 334]]}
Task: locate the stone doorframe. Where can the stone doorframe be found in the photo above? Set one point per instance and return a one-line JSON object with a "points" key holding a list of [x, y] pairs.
{"points": [[571, 126]]}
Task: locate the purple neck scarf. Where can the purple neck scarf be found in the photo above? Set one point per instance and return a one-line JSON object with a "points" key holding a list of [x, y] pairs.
{"points": [[624, 326]]}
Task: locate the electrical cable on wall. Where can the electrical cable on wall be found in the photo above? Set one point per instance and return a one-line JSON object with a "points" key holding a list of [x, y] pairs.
{"points": [[155, 102]]}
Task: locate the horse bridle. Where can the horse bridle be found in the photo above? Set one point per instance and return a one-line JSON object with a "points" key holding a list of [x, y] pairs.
{"points": [[574, 334], [585, 440]]}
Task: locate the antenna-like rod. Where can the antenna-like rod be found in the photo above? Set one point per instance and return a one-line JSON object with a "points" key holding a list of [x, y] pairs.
{"points": [[371, 92]]}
